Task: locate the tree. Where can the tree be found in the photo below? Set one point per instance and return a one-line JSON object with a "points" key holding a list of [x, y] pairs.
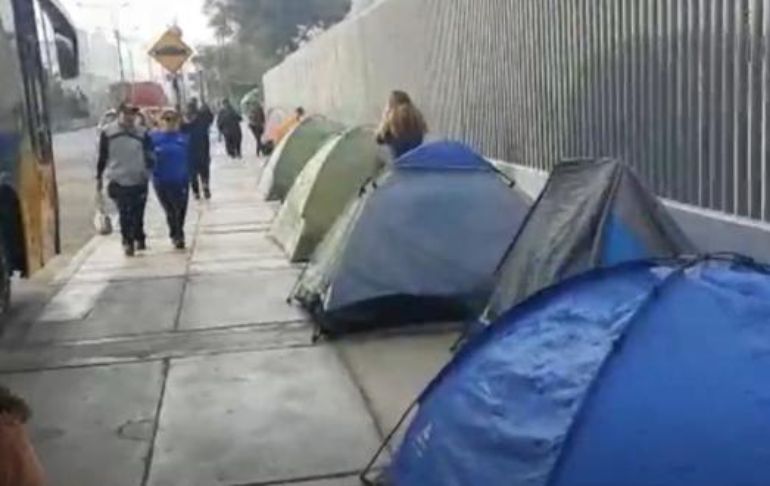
{"points": [[255, 35], [270, 24]]}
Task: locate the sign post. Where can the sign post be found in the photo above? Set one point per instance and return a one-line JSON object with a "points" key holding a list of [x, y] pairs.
{"points": [[171, 52]]}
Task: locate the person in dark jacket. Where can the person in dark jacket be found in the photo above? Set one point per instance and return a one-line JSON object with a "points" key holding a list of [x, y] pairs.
{"points": [[125, 158], [170, 175], [197, 126], [229, 124], [257, 126]]}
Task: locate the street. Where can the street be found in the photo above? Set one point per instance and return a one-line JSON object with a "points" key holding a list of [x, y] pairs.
{"points": [[189, 368], [75, 154]]}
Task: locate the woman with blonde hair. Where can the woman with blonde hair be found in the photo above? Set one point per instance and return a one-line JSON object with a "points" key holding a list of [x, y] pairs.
{"points": [[171, 173], [403, 127]]}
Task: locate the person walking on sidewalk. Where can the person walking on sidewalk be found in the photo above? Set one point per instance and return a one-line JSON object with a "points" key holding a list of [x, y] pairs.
{"points": [[197, 126], [257, 125], [287, 125], [229, 124], [170, 175], [125, 158]]}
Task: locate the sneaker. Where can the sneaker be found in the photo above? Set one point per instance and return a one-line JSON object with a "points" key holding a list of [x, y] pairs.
{"points": [[128, 249], [197, 196], [179, 244], [207, 193], [141, 245]]}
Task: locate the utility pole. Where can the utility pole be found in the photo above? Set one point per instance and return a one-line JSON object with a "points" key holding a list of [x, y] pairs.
{"points": [[120, 56], [202, 84]]}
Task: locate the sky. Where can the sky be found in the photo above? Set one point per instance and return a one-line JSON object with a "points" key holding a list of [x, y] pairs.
{"points": [[143, 20], [141, 23]]}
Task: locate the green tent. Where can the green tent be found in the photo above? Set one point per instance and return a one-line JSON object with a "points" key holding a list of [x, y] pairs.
{"points": [[329, 180], [292, 153]]}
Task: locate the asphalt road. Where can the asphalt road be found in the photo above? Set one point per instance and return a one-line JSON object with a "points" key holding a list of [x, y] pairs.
{"points": [[75, 154]]}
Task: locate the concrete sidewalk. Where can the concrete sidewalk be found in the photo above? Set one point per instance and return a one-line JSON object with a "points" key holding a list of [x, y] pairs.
{"points": [[189, 368]]}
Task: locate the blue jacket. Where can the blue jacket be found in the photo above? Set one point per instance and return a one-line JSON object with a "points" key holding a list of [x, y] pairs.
{"points": [[172, 156]]}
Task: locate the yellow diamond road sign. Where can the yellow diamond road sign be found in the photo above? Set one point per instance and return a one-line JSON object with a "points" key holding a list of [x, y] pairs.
{"points": [[170, 51]]}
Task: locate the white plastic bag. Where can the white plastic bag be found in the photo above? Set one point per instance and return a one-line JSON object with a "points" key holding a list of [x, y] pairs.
{"points": [[102, 220]]}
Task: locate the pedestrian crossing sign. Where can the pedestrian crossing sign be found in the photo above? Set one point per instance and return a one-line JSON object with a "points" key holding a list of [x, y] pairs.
{"points": [[170, 51]]}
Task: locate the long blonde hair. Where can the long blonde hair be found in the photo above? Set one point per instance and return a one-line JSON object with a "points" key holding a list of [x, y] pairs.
{"points": [[403, 119]]}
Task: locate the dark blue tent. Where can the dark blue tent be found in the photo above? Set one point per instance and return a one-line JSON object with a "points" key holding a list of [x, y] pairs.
{"points": [[646, 374], [421, 243], [592, 213]]}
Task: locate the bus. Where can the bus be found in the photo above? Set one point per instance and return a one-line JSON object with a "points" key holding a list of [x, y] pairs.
{"points": [[29, 211]]}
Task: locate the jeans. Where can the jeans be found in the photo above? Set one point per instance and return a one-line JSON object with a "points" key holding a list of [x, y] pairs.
{"points": [[173, 197], [200, 173], [233, 141], [258, 131], [131, 202]]}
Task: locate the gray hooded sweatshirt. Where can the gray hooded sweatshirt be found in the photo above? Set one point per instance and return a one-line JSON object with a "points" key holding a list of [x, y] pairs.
{"points": [[125, 155]]}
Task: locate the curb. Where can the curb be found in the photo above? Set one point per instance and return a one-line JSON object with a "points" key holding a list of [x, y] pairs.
{"points": [[66, 274]]}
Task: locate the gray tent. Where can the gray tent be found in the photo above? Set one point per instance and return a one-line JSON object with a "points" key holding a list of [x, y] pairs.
{"points": [[292, 153], [420, 244], [592, 213], [322, 190]]}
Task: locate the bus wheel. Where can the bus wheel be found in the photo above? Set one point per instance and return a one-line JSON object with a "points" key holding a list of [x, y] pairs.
{"points": [[5, 280]]}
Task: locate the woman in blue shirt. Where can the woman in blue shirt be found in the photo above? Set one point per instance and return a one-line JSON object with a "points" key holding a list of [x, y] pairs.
{"points": [[170, 175]]}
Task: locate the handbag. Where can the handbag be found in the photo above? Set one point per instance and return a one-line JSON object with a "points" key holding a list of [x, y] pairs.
{"points": [[102, 220]]}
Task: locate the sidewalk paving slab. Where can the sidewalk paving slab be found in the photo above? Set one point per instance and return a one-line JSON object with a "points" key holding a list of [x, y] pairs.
{"points": [[250, 213], [234, 246], [229, 299], [257, 417], [122, 308], [156, 346], [92, 426], [392, 371], [240, 265]]}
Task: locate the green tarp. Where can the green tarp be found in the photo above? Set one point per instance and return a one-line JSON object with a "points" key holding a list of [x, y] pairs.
{"points": [[292, 153], [330, 179]]}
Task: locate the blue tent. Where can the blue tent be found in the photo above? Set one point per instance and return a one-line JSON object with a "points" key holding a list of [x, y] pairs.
{"points": [[592, 213], [646, 374], [421, 243]]}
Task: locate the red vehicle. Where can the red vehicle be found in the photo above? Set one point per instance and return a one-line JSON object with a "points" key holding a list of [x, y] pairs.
{"points": [[147, 95]]}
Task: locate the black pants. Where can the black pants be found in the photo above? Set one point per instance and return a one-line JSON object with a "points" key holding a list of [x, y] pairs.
{"points": [[233, 141], [258, 132], [173, 197], [131, 202], [200, 173]]}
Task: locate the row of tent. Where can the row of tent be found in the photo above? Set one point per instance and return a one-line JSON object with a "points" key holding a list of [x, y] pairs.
{"points": [[611, 354], [441, 234]]}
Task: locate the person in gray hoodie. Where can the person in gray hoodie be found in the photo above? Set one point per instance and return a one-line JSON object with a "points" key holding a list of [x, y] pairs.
{"points": [[125, 159]]}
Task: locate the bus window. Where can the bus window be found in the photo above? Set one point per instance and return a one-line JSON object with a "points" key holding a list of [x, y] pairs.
{"points": [[65, 39], [10, 98], [33, 77]]}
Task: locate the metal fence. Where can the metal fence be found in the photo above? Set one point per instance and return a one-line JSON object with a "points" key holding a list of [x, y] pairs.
{"points": [[678, 88]]}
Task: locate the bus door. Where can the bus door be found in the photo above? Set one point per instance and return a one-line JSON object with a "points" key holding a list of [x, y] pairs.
{"points": [[36, 175]]}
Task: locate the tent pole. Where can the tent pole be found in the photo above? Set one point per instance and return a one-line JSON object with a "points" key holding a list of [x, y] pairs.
{"points": [[385, 443]]}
